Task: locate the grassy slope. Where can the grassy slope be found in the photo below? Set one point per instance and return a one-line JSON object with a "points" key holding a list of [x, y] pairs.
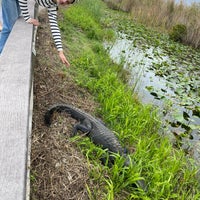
{"points": [[164, 169]]}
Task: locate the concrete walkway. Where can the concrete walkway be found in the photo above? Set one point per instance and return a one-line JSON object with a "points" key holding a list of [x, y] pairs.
{"points": [[16, 110]]}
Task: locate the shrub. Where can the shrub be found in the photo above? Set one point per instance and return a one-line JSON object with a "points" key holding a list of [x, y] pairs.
{"points": [[178, 32]]}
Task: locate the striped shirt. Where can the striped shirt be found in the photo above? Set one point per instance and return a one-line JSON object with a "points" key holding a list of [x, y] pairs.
{"points": [[52, 15]]}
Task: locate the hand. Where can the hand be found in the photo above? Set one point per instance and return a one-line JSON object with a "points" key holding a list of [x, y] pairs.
{"points": [[63, 59], [35, 22]]}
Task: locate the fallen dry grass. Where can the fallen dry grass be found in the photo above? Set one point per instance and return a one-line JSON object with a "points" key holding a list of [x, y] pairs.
{"points": [[58, 168]]}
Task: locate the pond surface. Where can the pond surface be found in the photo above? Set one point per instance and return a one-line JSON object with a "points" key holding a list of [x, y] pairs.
{"points": [[181, 118]]}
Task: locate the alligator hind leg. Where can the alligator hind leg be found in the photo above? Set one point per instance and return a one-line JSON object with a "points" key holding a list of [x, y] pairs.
{"points": [[85, 127], [106, 160]]}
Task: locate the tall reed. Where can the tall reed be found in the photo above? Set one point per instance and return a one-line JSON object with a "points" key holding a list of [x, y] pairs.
{"points": [[164, 15]]}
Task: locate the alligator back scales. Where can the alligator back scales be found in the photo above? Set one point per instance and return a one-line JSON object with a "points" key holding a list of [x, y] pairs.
{"points": [[95, 129]]}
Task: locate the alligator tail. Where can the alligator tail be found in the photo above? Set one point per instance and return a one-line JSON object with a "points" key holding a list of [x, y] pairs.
{"points": [[48, 115], [55, 108]]}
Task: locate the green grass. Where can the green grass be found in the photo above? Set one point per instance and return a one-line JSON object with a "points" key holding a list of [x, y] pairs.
{"points": [[167, 172]]}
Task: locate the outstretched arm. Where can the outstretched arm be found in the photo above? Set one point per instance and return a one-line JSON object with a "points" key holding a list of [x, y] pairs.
{"points": [[52, 14]]}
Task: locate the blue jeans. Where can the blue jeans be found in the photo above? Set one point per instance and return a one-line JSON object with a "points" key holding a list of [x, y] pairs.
{"points": [[10, 13]]}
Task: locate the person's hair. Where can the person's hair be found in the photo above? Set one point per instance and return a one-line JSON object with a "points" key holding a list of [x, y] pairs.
{"points": [[73, 1]]}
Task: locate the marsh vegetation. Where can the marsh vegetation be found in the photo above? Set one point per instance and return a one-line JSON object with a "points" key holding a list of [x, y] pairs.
{"points": [[167, 170], [179, 20]]}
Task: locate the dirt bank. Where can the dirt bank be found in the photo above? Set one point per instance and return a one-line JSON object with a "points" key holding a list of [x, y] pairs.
{"points": [[58, 168]]}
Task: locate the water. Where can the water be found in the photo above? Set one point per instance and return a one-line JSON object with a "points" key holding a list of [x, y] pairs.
{"points": [[157, 90], [136, 61]]}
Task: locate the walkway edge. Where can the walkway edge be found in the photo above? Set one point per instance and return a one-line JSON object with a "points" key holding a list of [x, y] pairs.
{"points": [[16, 104]]}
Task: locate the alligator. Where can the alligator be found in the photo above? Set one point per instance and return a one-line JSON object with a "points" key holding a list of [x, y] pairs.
{"points": [[95, 130]]}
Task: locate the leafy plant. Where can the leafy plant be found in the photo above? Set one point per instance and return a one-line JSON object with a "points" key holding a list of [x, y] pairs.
{"points": [[178, 33]]}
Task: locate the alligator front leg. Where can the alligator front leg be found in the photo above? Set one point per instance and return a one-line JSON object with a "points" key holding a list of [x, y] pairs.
{"points": [[85, 127]]}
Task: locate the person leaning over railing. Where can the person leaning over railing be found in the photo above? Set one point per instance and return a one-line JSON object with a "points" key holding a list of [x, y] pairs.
{"points": [[52, 7]]}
